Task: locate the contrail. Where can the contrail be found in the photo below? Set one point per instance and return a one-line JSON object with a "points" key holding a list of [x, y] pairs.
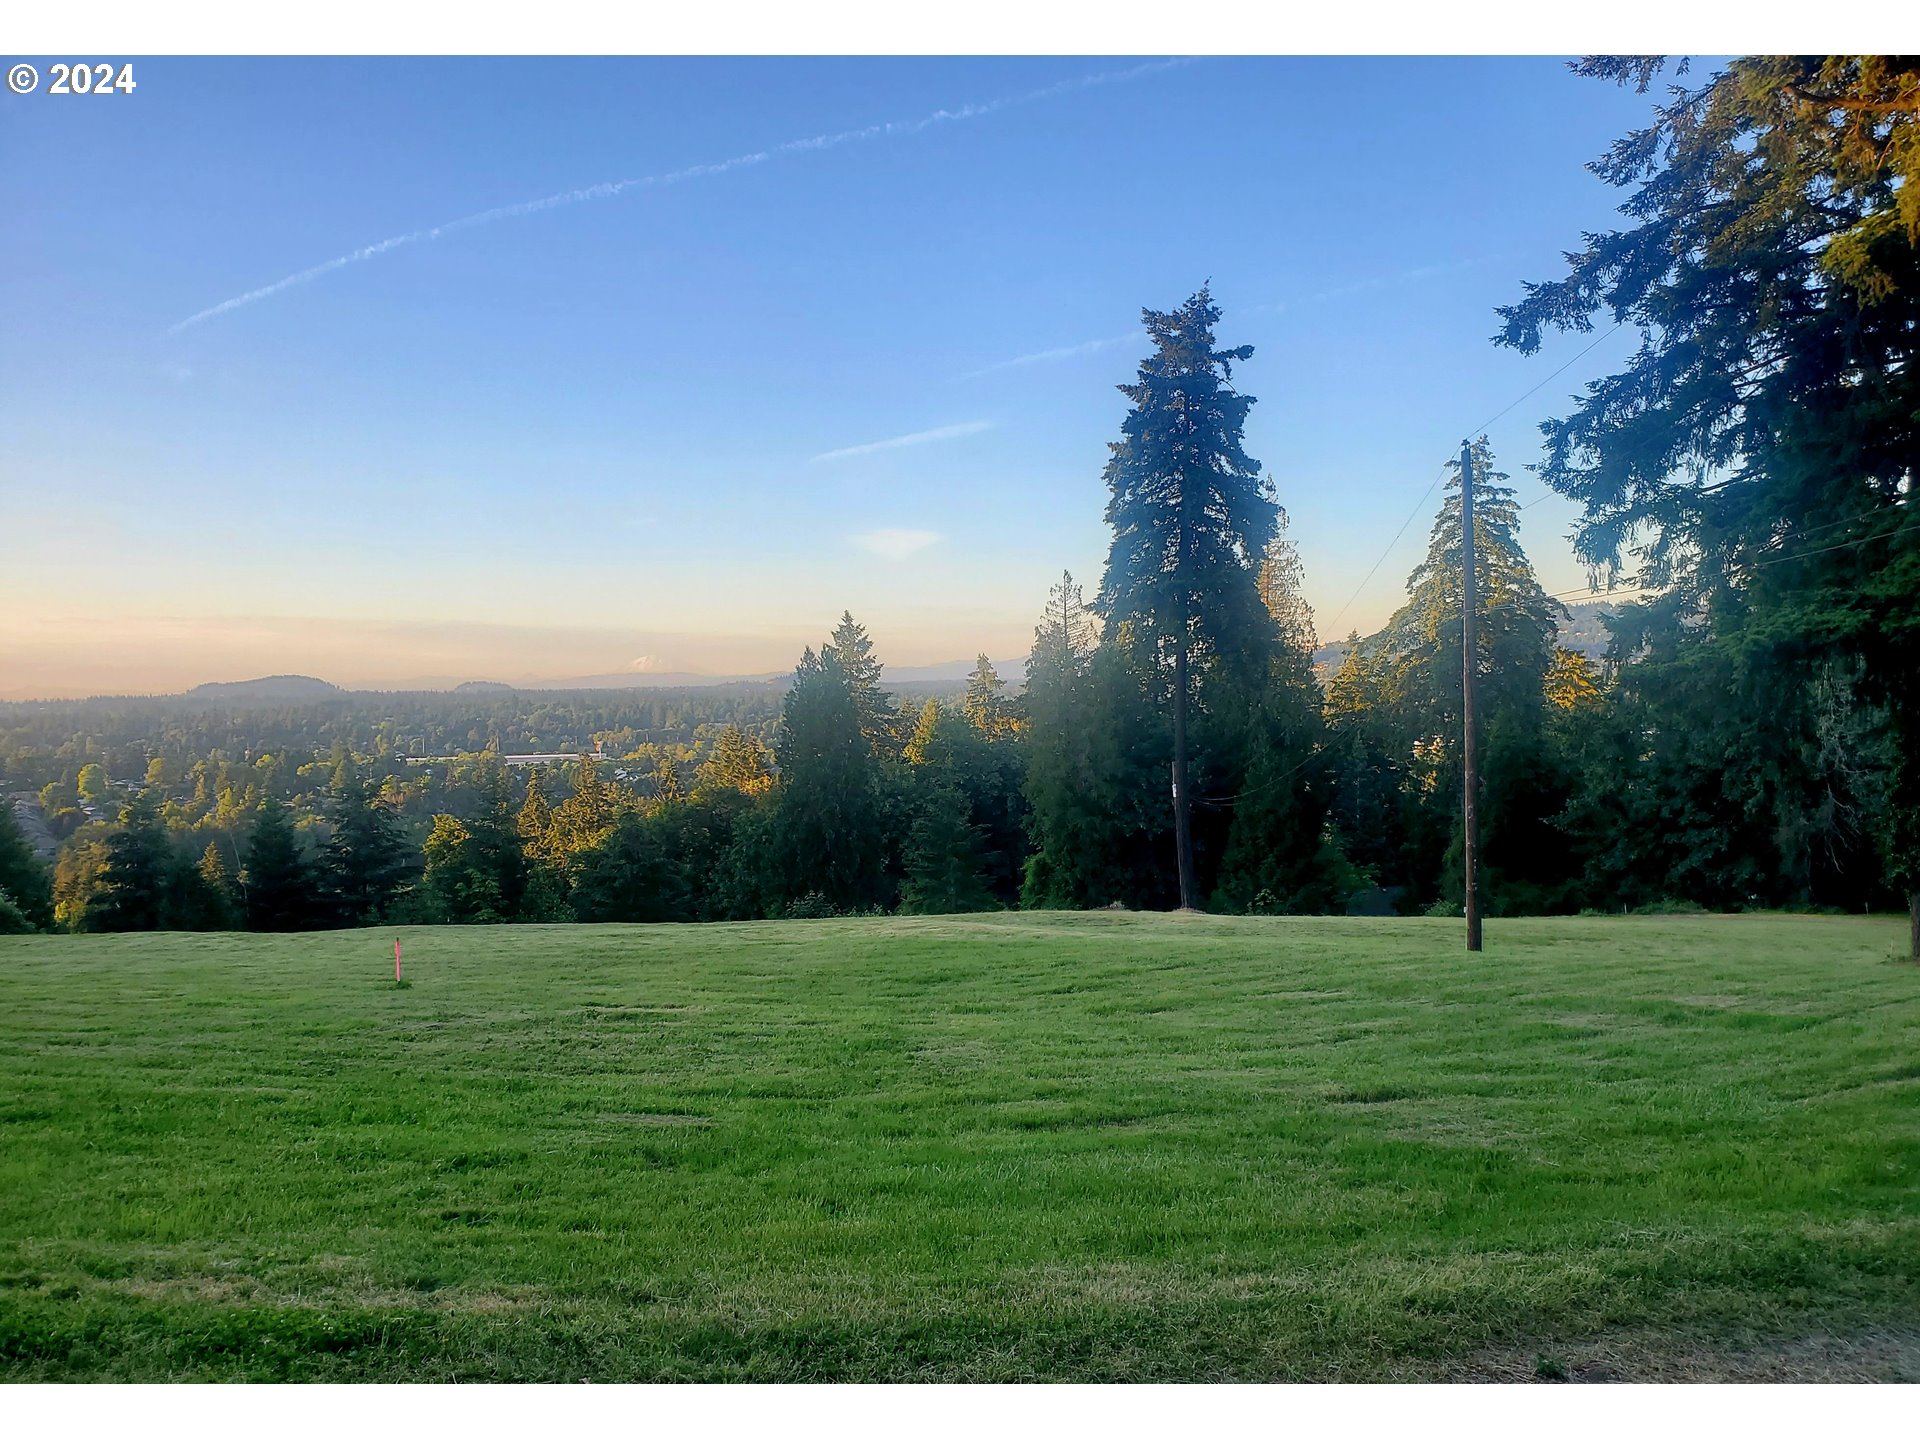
{"points": [[674, 177], [919, 437]]}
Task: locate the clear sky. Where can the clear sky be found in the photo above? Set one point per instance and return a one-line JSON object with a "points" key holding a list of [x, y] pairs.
{"points": [[681, 424]]}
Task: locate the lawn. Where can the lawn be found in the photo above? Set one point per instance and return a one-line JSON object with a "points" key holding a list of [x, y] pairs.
{"points": [[1008, 1147]]}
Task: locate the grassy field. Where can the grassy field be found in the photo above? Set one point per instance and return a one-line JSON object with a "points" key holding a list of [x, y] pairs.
{"points": [[1001, 1147]]}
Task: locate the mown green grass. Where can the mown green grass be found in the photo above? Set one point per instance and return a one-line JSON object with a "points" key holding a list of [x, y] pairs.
{"points": [[1005, 1147]]}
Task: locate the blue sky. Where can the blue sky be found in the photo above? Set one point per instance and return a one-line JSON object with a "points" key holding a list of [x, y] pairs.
{"points": [[659, 426]]}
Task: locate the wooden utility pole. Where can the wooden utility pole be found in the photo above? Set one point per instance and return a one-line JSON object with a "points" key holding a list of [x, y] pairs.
{"points": [[1469, 653]]}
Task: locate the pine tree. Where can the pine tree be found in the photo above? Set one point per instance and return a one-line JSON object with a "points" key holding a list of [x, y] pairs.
{"points": [[633, 877], [945, 857], [134, 887], [459, 888], [535, 822], [1281, 585], [1757, 450], [586, 816], [492, 845], [853, 653], [221, 887], [738, 762], [666, 782], [1395, 709], [76, 880], [830, 834], [365, 862], [22, 876], [920, 747], [1189, 513], [279, 881], [985, 707], [1059, 751], [1517, 621], [546, 896]]}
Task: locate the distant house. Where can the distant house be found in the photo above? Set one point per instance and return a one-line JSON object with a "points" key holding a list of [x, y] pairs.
{"points": [[553, 759], [33, 825]]}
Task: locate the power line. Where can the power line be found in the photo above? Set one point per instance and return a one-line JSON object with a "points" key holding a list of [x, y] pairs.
{"points": [[1420, 504], [1824, 549], [1475, 430]]}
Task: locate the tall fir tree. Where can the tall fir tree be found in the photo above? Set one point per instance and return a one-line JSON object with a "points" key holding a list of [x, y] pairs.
{"points": [[279, 880], [1757, 450], [1396, 713], [831, 828], [634, 877], [535, 821], [1281, 581], [1057, 706], [738, 762], [586, 816], [984, 705], [1190, 515], [221, 888], [134, 887], [852, 651], [365, 862]]}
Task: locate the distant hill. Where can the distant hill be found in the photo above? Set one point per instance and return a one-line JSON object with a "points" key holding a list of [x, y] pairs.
{"points": [[482, 687], [651, 680], [1013, 672], [1585, 632], [268, 687]]}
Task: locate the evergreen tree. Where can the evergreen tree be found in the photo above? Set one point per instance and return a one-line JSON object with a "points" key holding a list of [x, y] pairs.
{"points": [[925, 730], [77, 872], [585, 817], [1396, 707], [459, 887], [492, 845], [1757, 450], [1516, 621], [1059, 750], [853, 653], [985, 707], [225, 910], [945, 857], [1280, 854], [738, 762], [666, 782], [830, 832], [633, 877], [535, 822], [279, 881], [13, 919], [365, 862], [546, 897], [22, 876], [134, 886], [1281, 580], [954, 761], [1189, 513], [191, 902]]}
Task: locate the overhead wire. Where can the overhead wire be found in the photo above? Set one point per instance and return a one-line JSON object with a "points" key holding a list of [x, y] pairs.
{"points": [[1418, 507]]}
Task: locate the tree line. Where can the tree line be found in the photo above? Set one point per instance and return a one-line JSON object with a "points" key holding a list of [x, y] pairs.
{"points": [[1748, 739]]}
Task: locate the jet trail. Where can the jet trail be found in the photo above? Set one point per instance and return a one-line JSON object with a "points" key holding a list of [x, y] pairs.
{"points": [[608, 188]]}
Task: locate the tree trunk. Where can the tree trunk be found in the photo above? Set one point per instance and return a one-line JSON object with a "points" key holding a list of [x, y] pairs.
{"points": [[1913, 929], [1182, 799]]}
